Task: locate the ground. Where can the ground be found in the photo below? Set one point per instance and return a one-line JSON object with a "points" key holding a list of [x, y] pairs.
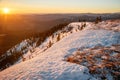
{"points": [[52, 64]]}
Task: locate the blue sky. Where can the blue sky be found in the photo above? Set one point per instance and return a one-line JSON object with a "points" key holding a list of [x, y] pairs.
{"points": [[62, 6]]}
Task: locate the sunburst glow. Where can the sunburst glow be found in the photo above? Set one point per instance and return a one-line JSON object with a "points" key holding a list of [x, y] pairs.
{"points": [[6, 10]]}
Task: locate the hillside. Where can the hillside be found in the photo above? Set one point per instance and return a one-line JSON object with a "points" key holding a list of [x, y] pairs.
{"points": [[55, 59], [22, 26]]}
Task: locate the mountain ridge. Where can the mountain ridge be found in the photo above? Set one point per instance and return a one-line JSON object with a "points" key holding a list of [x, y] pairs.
{"points": [[51, 63]]}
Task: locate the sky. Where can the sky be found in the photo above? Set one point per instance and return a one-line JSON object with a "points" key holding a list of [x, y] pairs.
{"points": [[61, 6]]}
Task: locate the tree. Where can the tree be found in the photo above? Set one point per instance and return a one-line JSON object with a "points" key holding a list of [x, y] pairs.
{"points": [[58, 37], [50, 44], [23, 59], [98, 19]]}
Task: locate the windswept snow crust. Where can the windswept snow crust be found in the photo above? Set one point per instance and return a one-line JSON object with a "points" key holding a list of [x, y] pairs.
{"points": [[51, 64]]}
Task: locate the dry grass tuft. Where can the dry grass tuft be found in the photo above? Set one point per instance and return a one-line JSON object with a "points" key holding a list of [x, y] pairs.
{"points": [[101, 61]]}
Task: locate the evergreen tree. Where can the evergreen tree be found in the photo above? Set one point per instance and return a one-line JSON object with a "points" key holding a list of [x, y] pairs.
{"points": [[23, 59], [98, 19], [50, 44], [58, 37]]}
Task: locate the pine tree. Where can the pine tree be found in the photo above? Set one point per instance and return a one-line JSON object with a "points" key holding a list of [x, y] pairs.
{"points": [[53, 36], [58, 37], [98, 19], [23, 59], [50, 44]]}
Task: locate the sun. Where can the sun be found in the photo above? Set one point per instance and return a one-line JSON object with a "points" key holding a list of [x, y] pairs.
{"points": [[6, 10]]}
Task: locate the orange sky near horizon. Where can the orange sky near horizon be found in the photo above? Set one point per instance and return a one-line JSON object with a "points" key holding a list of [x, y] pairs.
{"points": [[54, 6]]}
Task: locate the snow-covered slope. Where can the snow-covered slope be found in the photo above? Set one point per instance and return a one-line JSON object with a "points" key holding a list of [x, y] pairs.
{"points": [[51, 64], [71, 28]]}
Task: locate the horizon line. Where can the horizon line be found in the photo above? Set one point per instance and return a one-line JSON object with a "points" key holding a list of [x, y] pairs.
{"points": [[66, 13]]}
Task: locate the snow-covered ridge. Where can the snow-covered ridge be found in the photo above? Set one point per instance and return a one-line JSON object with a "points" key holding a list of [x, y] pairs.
{"points": [[50, 64], [27, 47]]}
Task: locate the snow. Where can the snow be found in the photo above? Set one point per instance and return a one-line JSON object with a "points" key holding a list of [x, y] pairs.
{"points": [[27, 47], [51, 64], [100, 60]]}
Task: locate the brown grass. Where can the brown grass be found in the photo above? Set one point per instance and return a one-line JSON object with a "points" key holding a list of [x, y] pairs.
{"points": [[99, 60]]}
